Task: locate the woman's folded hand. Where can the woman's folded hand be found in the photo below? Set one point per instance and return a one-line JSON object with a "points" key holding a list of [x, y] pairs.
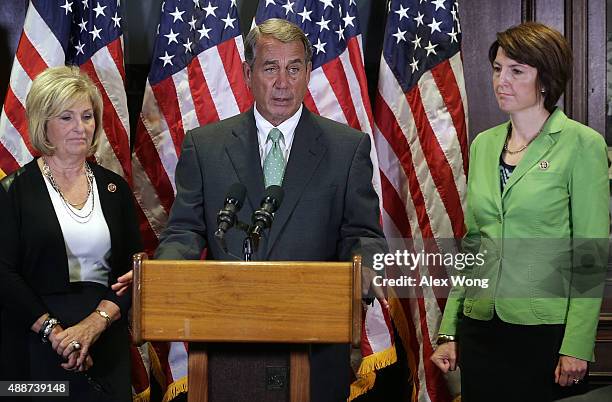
{"points": [[78, 338], [445, 356]]}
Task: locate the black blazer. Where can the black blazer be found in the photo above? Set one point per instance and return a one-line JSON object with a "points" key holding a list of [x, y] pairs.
{"points": [[33, 260]]}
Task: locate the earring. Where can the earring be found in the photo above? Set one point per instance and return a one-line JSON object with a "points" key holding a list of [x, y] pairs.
{"points": [[543, 91]]}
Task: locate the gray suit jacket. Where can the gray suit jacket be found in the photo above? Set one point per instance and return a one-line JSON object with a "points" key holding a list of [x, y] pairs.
{"points": [[329, 204], [329, 200]]}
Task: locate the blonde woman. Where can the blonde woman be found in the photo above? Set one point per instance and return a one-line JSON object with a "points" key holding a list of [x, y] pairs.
{"points": [[69, 230]]}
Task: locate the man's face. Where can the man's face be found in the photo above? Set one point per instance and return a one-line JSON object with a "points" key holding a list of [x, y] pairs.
{"points": [[278, 78]]}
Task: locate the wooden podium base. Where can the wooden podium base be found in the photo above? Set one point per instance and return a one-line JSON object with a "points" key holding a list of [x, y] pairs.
{"points": [[246, 376]]}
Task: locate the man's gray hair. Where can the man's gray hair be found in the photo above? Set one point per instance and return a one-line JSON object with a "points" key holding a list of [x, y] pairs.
{"points": [[279, 29]]}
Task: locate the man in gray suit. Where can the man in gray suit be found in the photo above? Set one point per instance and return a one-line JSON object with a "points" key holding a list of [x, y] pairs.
{"points": [[323, 167]]}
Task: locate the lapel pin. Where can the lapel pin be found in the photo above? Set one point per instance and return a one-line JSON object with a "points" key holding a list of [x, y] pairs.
{"points": [[544, 165], [112, 187]]}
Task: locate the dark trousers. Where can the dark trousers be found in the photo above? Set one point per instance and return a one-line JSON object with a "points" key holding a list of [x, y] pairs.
{"points": [[507, 362]]}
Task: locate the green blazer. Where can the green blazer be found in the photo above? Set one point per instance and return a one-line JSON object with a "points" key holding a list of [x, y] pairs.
{"points": [[544, 237]]}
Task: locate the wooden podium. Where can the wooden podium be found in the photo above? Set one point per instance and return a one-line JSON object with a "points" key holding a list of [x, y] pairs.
{"points": [[295, 303]]}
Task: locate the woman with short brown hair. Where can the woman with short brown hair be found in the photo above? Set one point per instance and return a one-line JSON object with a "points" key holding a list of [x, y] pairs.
{"points": [[537, 189]]}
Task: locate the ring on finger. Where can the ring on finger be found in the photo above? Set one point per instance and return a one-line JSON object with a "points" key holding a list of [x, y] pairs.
{"points": [[576, 380], [75, 344]]}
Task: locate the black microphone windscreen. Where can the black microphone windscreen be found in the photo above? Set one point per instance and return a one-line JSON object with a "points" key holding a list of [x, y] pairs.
{"points": [[276, 193], [237, 191]]}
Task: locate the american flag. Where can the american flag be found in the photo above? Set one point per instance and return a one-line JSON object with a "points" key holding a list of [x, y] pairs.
{"points": [[195, 79], [86, 33], [421, 139], [338, 90]]}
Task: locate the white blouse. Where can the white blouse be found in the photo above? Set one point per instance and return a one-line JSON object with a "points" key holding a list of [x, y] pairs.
{"points": [[87, 240]]}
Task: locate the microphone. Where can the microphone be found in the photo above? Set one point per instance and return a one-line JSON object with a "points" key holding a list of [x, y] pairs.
{"points": [[226, 218], [263, 217]]}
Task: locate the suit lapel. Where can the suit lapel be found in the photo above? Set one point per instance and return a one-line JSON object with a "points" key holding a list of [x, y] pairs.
{"points": [[538, 148], [306, 154], [108, 200], [40, 192], [243, 150]]}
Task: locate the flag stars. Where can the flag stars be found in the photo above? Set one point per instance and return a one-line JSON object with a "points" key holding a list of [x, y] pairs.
{"points": [[399, 35], [172, 37], [414, 65], [196, 4], [192, 23], [116, 19], [85, 4], [416, 42], [348, 20], [340, 33], [95, 33], [439, 4], [187, 46], [402, 12], [99, 10], [320, 46], [419, 19], [210, 10], [177, 15], [327, 3], [204, 32], [430, 48], [229, 22], [167, 59], [289, 7], [323, 24], [305, 15], [79, 48], [83, 25], [435, 25], [67, 7], [453, 35], [268, 2]]}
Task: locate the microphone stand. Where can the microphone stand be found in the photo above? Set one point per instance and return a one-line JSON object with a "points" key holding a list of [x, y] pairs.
{"points": [[248, 246]]}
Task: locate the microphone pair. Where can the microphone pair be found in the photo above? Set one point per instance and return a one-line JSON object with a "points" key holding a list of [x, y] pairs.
{"points": [[261, 219]]}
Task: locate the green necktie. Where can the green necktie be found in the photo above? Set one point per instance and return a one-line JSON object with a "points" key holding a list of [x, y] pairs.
{"points": [[274, 164]]}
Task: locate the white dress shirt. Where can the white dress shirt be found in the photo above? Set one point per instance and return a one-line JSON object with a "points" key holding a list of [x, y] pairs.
{"points": [[287, 128]]}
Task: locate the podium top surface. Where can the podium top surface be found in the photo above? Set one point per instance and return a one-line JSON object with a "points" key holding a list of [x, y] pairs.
{"points": [[224, 301]]}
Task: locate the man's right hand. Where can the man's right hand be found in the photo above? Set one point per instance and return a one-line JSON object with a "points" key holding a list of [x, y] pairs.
{"points": [[368, 286], [445, 357]]}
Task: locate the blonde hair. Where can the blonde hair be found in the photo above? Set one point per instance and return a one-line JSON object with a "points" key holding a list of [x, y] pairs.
{"points": [[53, 91], [279, 29]]}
